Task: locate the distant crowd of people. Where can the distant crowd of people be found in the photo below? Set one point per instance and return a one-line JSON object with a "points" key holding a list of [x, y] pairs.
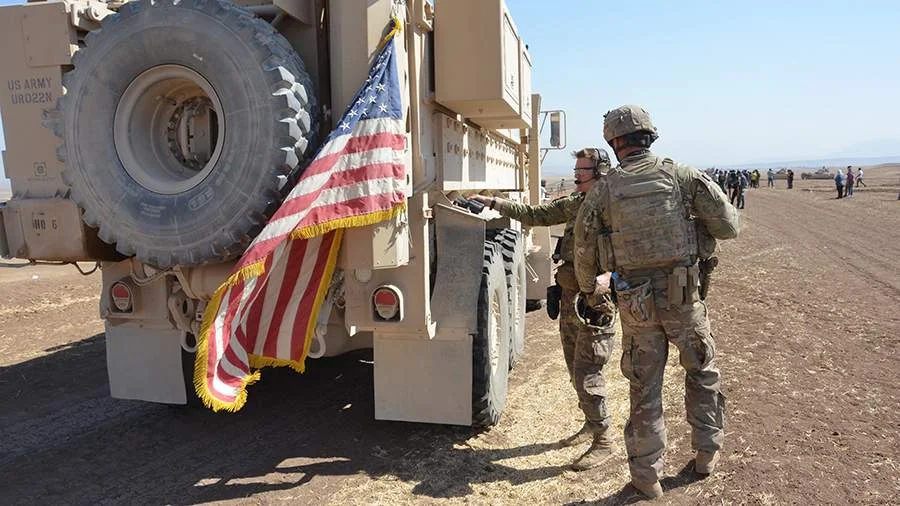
{"points": [[735, 182]]}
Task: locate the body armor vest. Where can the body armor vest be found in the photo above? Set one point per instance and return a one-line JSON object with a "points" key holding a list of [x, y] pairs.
{"points": [[650, 225]]}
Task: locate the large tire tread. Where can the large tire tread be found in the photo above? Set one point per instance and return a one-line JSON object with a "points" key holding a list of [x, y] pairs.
{"points": [[489, 382], [512, 248]]}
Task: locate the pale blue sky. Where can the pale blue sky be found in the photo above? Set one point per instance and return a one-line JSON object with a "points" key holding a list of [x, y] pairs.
{"points": [[725, 82]]}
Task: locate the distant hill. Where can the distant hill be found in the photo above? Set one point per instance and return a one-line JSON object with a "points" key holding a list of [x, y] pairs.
{"points": [[815, 164]]}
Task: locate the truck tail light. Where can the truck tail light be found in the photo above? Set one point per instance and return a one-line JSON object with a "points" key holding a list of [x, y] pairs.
{"points": [[388, 303], [122, 297]]}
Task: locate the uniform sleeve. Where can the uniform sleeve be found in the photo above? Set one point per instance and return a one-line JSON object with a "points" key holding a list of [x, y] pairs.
{"points": [[587, 231], [544, 215], [709, 204]]}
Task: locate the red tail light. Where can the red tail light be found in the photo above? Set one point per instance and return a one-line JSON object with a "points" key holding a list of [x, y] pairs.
{"points": [[388, 303], [122, 297]]}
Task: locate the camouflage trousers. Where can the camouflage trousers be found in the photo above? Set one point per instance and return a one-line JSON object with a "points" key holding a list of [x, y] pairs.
{"points": [[648, 326], [586, 350]]}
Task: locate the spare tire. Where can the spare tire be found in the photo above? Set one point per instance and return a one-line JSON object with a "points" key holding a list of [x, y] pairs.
{"points": [[183, 123]]}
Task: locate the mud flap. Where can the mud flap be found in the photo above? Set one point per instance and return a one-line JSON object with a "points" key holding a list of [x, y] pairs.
{"points": [[145, 364]]}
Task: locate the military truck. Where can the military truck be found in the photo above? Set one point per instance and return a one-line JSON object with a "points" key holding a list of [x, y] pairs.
{"points": [[156, 137], [822, 173]]}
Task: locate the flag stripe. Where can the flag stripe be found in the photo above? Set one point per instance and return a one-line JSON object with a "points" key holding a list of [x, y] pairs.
{"points": [[297, 250], [303, 278], [348, 180], [275, 280], [251, 327], [376, 137], [305, 307]]}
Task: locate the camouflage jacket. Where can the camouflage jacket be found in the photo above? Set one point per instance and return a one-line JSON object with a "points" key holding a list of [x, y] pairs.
{"points": [[715, 217], [561, 210]]}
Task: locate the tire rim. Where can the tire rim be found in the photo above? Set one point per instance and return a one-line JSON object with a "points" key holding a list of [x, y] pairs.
{"points": [[169, 129]]}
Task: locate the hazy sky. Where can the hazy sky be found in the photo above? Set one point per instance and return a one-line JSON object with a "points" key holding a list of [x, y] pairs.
{"points": [[725, 82]]}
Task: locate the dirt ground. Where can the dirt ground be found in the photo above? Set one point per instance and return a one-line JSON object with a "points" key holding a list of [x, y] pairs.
{"points": [[804, 307]]}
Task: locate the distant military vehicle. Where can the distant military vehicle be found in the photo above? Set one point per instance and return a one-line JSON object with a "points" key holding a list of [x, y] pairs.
{"points": [[158, 136], [822, 173]]}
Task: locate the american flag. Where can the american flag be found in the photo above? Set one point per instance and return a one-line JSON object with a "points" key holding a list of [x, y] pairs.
{"points": [[265, 312]]}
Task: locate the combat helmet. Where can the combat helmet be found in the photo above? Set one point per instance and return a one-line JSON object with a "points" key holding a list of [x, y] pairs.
{"points": [[625, 120]]}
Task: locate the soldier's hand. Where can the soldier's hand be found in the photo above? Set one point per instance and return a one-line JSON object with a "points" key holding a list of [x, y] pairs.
{"points": [[487, 201], [601, 284], [600, 303]]}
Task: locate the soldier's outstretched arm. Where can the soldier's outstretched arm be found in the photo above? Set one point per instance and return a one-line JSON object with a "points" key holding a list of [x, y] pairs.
{"points": [[554, 213], [587, 229], [709, 203]]}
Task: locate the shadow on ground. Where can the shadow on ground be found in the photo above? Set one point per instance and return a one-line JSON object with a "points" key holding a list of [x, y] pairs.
{"points": [[66, 441]]}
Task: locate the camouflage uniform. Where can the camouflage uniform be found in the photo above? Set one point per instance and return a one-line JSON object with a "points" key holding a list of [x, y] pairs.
{"points": [[647, 330], [586, 348]]}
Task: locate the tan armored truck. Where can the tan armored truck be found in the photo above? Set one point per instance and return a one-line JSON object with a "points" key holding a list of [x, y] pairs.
{"points": [[822, 173], [157, 136]]}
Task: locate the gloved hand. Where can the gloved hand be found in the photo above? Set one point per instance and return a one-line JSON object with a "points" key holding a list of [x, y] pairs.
{"points": [[601, 304], [601, 298], [597, 313]]}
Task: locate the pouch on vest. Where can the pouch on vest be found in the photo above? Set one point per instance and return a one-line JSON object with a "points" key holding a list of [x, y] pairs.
{"points": [[637, 301], [683, 286], [607, 258]]}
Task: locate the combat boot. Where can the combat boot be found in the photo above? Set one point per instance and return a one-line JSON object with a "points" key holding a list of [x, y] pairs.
{"points": [[651, 489], [705, 463], [583, 435], [599, 452]]}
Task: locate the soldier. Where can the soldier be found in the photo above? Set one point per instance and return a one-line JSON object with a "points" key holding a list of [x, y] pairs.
{"points": [[586, 348], [650, 220]]}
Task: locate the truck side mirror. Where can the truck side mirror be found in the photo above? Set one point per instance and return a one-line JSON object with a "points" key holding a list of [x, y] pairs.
{"points": [[557, 137], [555, 129]]}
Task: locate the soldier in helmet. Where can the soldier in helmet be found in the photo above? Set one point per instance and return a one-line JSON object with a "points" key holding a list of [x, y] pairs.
{"points": [[586, 348], [654, 223]]}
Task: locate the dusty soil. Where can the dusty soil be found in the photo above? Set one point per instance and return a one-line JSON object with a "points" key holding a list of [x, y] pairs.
{"points": [[805, 312]]}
